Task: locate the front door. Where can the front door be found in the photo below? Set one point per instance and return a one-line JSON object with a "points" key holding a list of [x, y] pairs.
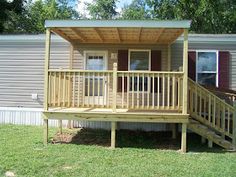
{"points": [[95, 85]]}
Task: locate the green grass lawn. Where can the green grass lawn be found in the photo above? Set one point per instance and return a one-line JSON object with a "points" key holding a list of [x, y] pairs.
{"points": [[138, 154]]}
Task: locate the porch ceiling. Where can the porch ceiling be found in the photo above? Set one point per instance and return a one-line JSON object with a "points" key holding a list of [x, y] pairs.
{"points": [[118, 31]]}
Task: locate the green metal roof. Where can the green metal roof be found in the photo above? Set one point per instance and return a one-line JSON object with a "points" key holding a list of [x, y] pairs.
{"points": [[118, 23]]}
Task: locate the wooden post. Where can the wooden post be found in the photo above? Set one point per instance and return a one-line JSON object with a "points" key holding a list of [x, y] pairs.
{"points": [[45, 131], [114, 91], [185, 70], [113, 135], [69, 125], [210, 144], [46, 67], [60, 126], [234, 126], [174, 131], [184, 138], [203, 140]]}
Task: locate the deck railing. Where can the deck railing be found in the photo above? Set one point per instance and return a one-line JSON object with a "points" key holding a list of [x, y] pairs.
{"points": [[147, 90], [211, 110], [150, 90]]}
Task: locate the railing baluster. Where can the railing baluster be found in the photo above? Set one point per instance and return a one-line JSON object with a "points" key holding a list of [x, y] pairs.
{"points": [[214, 112], [179, 90], [78, 94], [132, 98], [98, 91], [103, 89], [128, 87], [173, 91], [138, 90], [143, 90], [73, 91], [153, 91], [93, 89], [122, 90], [158, 91], [163, 91], [168, 91]]}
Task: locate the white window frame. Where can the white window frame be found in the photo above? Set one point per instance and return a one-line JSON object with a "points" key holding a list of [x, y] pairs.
{"points": [[140, 50], [149, 62], [104, 52], [217, 64]]}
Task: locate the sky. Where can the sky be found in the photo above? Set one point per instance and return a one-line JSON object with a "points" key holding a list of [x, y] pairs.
{"points": [[82, 8]]}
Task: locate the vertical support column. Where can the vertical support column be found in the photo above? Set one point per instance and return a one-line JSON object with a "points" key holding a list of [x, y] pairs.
{"points": [[185, 70], [70, 122], [185, 90], [210, 144], [173, 126], [174, 131], [45, 131], [114, 91], [184, 138], [113, 135], [234, 126], [203, 140], [46, 67]]}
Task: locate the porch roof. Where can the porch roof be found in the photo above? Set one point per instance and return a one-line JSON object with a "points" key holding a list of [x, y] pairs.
{"points": [[118, 31]]}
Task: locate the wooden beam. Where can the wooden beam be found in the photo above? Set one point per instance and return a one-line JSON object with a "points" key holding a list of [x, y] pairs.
{"points": [[113, 135], [174, 131], [210, 144], [185, 70], [114, 93], [118, 34], [79, 34], [176, 36], [60, 33], [46, 67], [184, 138], [159, 34], [60, 126], [98, 34], [139, 34], [71, 67], [45, 131], [118, 117]]}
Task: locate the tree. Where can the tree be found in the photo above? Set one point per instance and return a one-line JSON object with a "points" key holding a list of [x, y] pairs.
{"points": [[35, 13], [137, 10], [208, 16], [102, 9], [7, 7]]}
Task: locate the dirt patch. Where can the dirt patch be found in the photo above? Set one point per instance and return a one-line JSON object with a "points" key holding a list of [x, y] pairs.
{"points": [[125, 138]]}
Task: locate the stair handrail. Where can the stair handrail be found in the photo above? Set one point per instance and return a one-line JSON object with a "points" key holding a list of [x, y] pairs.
{"points": [[212, 111]]}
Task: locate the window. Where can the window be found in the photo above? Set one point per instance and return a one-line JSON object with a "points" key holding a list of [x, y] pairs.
{"points": [[139, 60], [207, 68]]}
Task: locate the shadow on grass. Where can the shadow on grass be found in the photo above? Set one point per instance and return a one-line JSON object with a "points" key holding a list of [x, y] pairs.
{"points": [[133, 139]]}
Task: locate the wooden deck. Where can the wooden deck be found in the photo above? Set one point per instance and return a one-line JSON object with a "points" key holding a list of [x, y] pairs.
{"points": [[121, 115]]}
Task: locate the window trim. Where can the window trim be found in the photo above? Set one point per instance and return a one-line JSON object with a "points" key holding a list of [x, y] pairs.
{"points": [[149, 64], [217, 65], [104, 52], [140, 50]]}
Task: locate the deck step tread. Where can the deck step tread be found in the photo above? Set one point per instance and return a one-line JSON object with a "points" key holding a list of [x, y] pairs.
{"points": [[206, 132]]}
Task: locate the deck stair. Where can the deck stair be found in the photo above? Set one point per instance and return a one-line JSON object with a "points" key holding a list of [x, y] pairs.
{"points": [[211, 117], [209, 134]]}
